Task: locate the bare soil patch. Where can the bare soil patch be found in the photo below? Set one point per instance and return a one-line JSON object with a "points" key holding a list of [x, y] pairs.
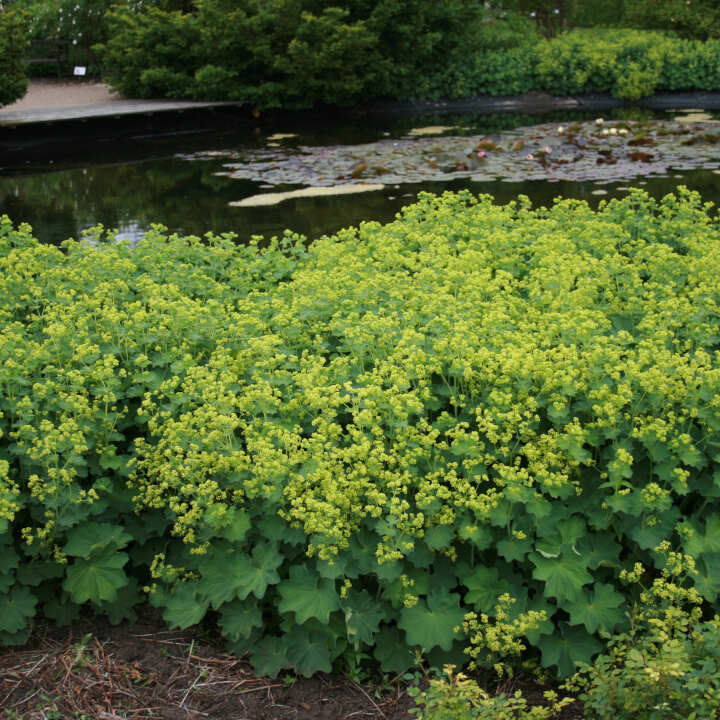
{"points": [[142, 671]]}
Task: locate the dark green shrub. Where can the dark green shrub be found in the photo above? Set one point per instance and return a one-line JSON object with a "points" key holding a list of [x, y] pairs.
{"points": [[171, 39], [291, 53], [13, 45]]}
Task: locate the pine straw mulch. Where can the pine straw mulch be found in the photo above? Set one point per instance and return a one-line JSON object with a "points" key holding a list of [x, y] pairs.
{"points": [[93, 671]]}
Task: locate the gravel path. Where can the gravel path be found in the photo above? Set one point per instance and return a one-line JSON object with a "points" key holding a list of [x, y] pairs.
{"points": [[44, 93]]}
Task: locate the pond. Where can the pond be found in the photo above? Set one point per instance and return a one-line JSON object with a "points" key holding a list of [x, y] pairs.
{"points": [[253, 181]]}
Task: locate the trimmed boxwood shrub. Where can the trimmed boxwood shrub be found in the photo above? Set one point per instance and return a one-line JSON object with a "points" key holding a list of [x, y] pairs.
{"points": [[13, 44], [458, 430]]}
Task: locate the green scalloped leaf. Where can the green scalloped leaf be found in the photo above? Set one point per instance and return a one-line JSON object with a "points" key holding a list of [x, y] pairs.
{"points": [[567, 649], [229, 575], [123, 607], [92, 537], [269, 656], [432, 621], [392, 651], [242, 646], [602, 609], [707, 541], [17, 638], [439, 536], [339, 566], [395, 592], [308, 652], [9, 559], [239, 618], [274, 528], [599, 549], [476, 533], [557, 537], [236, 526], [35, 572], [16, 609], [564, 577], [307, 595], [225, 576], [707, 580], [184, 607], [363, 615], [98, 578], [61, 609], [484, 586], [648, 536], [513, 549]]}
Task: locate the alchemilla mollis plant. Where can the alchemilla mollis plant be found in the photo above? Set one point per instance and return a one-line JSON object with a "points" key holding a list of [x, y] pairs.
{"points": [[450, 434]]}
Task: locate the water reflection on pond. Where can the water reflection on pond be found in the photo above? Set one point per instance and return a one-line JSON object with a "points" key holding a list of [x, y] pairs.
{"points": [[185, 182]]}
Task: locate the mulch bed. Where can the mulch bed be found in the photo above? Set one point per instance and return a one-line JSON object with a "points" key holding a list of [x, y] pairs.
{"points": [[93, 671]]}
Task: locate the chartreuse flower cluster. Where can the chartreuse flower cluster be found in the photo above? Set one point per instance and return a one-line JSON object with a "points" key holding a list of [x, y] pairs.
{"points": [[453, 431]]}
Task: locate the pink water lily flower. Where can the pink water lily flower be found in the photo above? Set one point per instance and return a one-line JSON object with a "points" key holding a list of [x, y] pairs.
{"points": [[481, 153], [530, 156], [548, 149]]}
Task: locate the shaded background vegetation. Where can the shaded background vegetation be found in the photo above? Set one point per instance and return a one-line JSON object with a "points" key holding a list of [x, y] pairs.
{"points": [[300, 53]]}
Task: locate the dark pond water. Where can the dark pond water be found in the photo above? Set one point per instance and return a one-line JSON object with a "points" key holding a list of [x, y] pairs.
{"points": [[183, 181]]}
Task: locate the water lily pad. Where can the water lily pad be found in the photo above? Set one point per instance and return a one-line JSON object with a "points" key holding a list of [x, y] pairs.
{"points": [[615, 151]]}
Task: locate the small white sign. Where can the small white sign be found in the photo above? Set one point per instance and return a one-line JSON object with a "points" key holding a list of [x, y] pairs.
{"points": [[79, 70]]}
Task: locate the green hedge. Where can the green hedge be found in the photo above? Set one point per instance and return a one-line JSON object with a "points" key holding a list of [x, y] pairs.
{"points": [[13, 44], [200, 55], [629, 64], [336, 451]]}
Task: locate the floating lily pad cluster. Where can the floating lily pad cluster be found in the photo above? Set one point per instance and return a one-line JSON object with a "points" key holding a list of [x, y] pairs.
{"points": [[597, 151]]}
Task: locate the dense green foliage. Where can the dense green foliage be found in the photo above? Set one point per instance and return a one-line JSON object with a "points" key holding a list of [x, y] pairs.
{"points": [[336, 56], [65, 31], [454, 431], [666, 666], [630, 64], [13, 43], [287, 52]]}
